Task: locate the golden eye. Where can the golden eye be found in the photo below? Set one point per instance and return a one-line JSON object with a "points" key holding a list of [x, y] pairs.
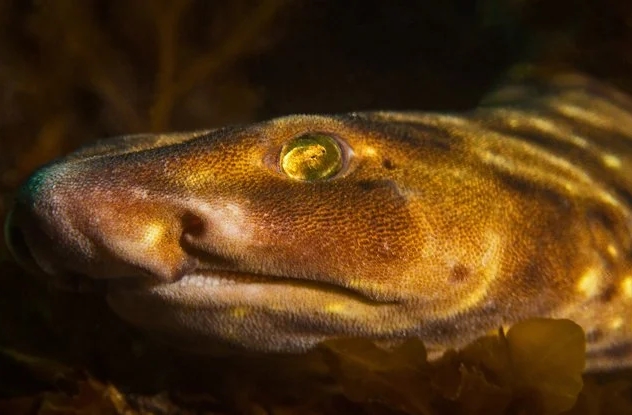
{"points": [[311, 157]]}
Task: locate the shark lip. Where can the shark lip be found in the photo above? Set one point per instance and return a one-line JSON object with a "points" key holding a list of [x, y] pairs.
{"points": [[225, 280], [251, 311]]}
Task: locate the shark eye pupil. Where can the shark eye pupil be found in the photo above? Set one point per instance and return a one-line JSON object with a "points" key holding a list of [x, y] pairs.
{"points": [[311, 157]]}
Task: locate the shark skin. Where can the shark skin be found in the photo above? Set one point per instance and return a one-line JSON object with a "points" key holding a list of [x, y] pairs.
{"points": [[278, 235]]}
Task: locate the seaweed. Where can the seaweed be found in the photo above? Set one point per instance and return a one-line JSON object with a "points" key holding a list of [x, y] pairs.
{"points": [[535, 368]]}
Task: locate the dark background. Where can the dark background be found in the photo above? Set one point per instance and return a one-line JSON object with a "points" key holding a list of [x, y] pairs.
{"points": [[74, 71]]}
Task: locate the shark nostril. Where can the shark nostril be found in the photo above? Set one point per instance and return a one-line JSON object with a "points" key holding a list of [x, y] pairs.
{"points": [[192, 224]]}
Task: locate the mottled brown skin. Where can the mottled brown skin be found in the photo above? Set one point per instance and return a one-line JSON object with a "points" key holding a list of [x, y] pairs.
{"points": [[438, 226]]}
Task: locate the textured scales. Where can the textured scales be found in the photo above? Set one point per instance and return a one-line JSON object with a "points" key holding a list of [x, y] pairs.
{"points": [[442, 226]]}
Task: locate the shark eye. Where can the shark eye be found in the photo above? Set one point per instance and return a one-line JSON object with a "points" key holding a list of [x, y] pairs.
{"points": [[310, 157]]}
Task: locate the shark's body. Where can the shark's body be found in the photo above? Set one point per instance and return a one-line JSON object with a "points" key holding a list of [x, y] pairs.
{"points": [[383, 225]]}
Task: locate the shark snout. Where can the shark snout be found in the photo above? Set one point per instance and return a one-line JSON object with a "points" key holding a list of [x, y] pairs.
{"points": [[97, 228]]}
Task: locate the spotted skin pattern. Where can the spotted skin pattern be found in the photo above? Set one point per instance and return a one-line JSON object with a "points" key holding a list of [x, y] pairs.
{"points": [[440, 226]]}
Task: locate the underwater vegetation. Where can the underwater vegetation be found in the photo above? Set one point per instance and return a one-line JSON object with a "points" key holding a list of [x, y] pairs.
{"points": [[534, 368]]}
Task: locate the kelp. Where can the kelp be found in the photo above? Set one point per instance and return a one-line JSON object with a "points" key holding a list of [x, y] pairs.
{"points": [[534, 368], [74, 71]]}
